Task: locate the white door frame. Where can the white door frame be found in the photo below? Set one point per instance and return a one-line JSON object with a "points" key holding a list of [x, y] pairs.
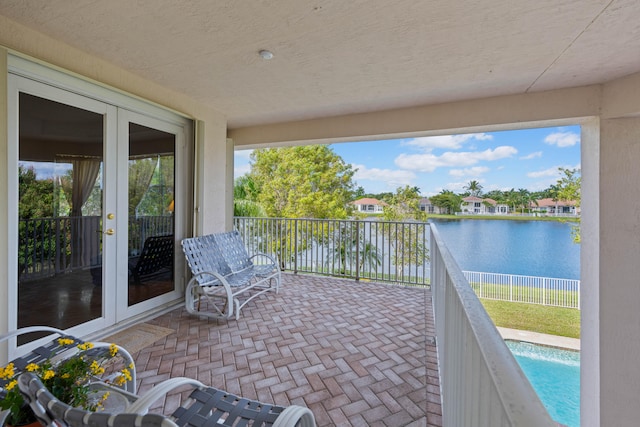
{"points": [[118, 108]]}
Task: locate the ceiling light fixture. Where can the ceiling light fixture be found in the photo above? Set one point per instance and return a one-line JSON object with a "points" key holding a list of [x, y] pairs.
{"points": [[265, 54]]}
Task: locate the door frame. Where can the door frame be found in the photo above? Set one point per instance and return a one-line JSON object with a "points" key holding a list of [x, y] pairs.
{"points": [[123, 309], [57, 85]]}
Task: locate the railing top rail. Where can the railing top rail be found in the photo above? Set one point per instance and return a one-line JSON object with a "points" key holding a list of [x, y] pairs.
{"points": [[520, 275], [518, 398], [360, 221]]}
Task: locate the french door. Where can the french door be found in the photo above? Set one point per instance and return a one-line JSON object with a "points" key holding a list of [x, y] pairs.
{"points": [[101, 194]]}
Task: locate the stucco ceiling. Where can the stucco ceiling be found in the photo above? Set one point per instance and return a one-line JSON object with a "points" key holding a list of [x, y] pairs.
{"points": [[333, 57]]}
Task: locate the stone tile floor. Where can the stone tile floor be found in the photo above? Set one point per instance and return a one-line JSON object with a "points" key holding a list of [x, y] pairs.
{"points": [[356, 354]]}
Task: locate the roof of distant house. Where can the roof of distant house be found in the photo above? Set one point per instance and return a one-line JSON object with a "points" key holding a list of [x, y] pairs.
{"points": [[370, 201], [473, 199], [549, 202]]}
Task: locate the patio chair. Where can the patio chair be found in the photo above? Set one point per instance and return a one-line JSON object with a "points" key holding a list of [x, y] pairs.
{"points": [[156, 257], [53, 351], [206, 406]]}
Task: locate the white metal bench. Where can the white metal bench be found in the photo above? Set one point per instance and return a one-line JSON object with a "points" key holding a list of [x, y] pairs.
{"points": [[225, 276]]}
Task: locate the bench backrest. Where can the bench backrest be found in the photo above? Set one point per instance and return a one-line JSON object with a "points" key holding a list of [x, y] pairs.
{"points": [[203, 255], [233, 250], [48, 409]]}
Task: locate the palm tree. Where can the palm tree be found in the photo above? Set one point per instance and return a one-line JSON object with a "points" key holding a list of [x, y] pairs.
{"points": [[474, 188], [244, 198], [349, 244]]}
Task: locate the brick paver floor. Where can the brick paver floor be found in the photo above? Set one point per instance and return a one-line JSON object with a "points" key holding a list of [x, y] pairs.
{"points": [[356, 354]]}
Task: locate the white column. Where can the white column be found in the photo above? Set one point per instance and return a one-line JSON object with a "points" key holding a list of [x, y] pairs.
{"points": [[611, 370]]}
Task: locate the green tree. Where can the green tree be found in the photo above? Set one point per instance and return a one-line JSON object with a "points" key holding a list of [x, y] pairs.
{"points": [[474, 188], [35, 230], [409, 244], [302, 182], [245, 194], [524, 199], [405, 205], [569, 189], [351, 249], [35, 196], [568, 186], [447, 200]]}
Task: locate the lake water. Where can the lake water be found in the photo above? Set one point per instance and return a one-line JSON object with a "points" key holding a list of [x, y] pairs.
{"points": [[530, 248]]}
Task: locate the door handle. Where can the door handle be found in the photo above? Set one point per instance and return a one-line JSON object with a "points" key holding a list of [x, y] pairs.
{"points": [[110, 232]]}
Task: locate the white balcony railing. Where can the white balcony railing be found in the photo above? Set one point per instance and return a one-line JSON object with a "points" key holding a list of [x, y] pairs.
{"points": [[481, 382]]}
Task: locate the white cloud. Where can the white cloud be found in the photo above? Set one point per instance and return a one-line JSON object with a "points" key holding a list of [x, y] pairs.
{"points": [[534, 155], [429, 162], [552, 172], [473, 171], [242, 154], [544, 173], [392, 178], [452, 142], [562, 139], [241, 170]]}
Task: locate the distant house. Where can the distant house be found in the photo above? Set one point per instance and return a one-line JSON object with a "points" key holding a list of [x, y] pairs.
{"points": [[549, 206], [428, 207], [473, 205], [370, 205]]}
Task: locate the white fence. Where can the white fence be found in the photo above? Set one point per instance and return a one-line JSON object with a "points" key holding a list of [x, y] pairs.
{"points": [[528, 289], [481, 382]]}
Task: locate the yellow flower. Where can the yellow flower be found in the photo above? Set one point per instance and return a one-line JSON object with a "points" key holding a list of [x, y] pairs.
{"points": [[113, 349], [131, 366], [11, 385], [65, 375], [96, 369], [65, 341], [48, 374], [85, 346], [120, 380], [7, 372], [32, 367], [103, 399]]}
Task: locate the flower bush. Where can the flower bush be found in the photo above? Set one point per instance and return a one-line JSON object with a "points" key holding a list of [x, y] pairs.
{"points": [[67, 379]]}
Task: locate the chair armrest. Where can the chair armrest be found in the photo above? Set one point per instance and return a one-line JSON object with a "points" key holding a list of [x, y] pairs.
{"points": [[294, 414], [269, 257], [141, 406]]}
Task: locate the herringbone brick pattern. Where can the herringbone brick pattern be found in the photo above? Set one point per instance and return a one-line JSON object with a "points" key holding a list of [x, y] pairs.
{"points": [[356, 354]]}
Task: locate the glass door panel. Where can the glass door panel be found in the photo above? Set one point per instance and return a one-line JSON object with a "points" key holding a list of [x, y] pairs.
{"points": [[60, 184], [151, 208]]}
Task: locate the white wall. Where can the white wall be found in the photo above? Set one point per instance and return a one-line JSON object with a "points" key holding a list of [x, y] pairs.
{"points": [[619, 260]]}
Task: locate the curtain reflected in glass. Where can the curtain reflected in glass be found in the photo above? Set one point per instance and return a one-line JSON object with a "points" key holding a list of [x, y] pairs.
{"points": [[60, 210]]}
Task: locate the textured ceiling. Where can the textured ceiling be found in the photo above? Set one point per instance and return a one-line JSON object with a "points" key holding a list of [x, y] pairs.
{"points": [[334, 57]]}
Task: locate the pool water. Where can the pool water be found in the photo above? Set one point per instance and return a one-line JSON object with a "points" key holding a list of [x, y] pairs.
{"points": [[555, 376]]}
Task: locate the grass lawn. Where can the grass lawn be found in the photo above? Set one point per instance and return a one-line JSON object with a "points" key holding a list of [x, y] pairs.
{"points": [[533, 317]]}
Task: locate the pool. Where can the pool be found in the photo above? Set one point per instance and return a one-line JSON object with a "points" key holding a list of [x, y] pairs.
{"points": [[555, 376]]}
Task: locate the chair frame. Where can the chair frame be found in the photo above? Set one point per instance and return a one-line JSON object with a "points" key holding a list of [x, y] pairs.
{"points": [[53, 351]]}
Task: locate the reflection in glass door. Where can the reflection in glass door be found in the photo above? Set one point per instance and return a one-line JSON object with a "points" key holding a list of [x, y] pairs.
{"points": [[151, 206], [59, 213], [98, 208]]}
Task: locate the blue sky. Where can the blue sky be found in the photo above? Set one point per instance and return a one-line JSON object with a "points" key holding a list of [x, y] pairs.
{"points": [[497, 160]]}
